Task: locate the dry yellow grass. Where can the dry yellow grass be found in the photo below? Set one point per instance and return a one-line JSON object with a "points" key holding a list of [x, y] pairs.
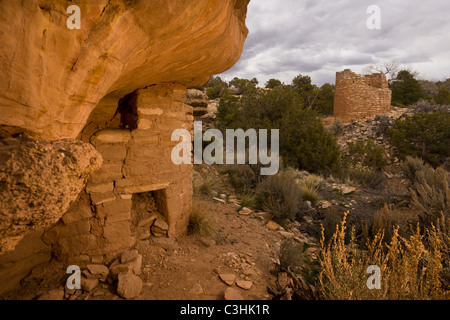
{"points": [[410, 267]]}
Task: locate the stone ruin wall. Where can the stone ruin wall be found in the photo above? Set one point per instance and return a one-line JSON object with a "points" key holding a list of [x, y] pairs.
{"points": [[359, 97], [98, 225]]}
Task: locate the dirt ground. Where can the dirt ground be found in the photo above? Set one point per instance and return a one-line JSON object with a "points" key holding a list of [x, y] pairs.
{"points": [[190, 267], [241, 245]]}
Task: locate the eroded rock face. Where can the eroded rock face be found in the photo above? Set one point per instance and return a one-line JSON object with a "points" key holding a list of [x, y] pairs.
{"points": [[38, 181], [53, 77]]}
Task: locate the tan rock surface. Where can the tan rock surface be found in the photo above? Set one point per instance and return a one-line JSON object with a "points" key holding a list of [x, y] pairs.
{"points": [[54, 77], [38, 181]]}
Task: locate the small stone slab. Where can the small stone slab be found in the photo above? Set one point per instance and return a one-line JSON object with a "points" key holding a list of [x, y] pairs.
{"points": [[228, 278]]}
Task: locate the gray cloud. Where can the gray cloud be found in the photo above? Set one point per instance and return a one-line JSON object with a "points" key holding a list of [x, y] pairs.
{"points": [[318, 38]]}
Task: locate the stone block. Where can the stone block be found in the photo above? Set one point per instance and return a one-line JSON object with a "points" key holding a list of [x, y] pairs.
{"points": [[101, 198], [145, 137], [75, 246], [117, 217], [130, 171], [112, 152], [100, 187], [145, 124], [145, 154], [108, 172], [111, 136], [118, 206], [79, 210], [144, 188], [98, 269], [149, 111], [117, 232]]}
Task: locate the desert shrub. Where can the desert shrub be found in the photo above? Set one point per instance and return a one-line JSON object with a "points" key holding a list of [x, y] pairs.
{"points": [[425, 135], [243, 178], [206, 183], [367, 154], [330, 222], [200, 223], [385, 220], [424, 106], [383, 125], [249, 200], [413, 165], [291, 255], [430, 191], [310, 186], [433, 197], [360, 175], [410, 267], [279, 195], [337, 128]]}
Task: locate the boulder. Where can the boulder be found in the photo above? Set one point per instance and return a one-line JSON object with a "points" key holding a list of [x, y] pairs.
{"points": [[38, 182], [129, 286]]}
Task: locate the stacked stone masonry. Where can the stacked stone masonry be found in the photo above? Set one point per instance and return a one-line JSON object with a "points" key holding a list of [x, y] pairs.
{"points": [[99, 224], [359, 97]]}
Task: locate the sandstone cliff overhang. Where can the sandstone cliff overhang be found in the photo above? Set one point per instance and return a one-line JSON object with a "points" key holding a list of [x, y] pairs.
{"points": [[53, 77]]}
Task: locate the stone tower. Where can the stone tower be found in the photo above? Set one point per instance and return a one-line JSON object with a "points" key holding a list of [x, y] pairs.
{"points": [[358, 97]]}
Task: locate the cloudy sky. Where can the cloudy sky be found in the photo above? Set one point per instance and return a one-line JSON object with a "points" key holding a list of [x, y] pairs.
{"points": [[319, 37]]}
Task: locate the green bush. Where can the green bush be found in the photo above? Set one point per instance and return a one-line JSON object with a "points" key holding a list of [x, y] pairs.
{"points": [[228, 112], [280, 196], [272, 83], [304, 142], [442, 97], [405, 89], [324, 102], [424, 135], [215, 87], [214, 92], [367, 154]]}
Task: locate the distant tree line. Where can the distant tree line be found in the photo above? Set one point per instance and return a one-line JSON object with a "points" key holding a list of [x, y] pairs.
{"points": [[320, 99]]}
